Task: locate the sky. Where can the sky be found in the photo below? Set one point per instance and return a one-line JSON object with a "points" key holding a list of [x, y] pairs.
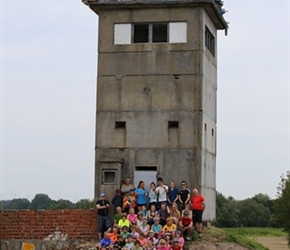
{"points": [[48, 97]]}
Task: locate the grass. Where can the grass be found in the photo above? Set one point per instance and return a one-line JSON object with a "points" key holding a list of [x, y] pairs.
{"points": [[256, 231], [241, 236]]}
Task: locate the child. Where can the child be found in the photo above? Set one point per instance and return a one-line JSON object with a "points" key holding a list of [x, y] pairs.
{"points": [[169, 227], [180, 239], [175, 245], [151, 237], [114, 234], [187, 208], [134, 232], [123, 222], [137, 245], [185, 225], [142, 240], [129, 201], [162, 245], [117, 216], [118, 199], [139, 219], [168, 239], [159, 237], [120, 242], [105, 242], [144, 211], [132, 217], [152, 213], [156, 227], [130, 243], [144, 227], [124, 233], [150, 245]]}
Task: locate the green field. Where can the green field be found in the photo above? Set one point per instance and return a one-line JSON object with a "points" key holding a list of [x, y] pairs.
{"points": [[244, 236]]}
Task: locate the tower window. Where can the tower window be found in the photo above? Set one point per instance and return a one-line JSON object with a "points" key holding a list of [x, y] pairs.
{"points": [[212, 132], [159, 34], [150, 33], [141, 33], [173, 124], [109, 176], [164, 32], [120, 124], [209, 41]]}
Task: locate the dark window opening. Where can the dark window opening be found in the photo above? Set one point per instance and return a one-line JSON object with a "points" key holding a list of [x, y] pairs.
{"points": [[209, 41], [212, 132], [173, 124], [146, 168], [205, 126], [109, 176], [160, 33], [120, 124], [141, 33]]}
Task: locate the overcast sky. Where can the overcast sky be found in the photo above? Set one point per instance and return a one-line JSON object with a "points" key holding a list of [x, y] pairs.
{"points": [[48, 85]]}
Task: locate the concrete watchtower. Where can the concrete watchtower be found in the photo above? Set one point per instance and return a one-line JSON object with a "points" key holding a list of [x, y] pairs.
{"points": [[156, 93]]}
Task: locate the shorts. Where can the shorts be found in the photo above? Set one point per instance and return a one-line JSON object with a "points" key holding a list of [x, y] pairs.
{"points": [[103, 221], [197, 216]]}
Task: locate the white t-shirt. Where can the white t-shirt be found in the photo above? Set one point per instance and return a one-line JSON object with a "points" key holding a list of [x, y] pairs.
{"points": [[162, 191]]}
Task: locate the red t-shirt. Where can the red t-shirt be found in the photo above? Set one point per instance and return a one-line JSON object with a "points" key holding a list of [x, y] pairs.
{"points": [[197, 201], [185, 221]]}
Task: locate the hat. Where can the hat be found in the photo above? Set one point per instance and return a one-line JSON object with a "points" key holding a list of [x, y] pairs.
{"points": [[156, 218], [186, 212], [151, 231], [144, 218], [175, 240], [177, 232], [167, 234], [103, 195]]}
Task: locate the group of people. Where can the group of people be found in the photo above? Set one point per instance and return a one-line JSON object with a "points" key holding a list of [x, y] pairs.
{"points": [[161, 218]]}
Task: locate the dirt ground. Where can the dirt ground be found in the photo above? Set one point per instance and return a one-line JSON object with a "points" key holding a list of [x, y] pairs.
{"points": [[273, 243], [206, 245]]}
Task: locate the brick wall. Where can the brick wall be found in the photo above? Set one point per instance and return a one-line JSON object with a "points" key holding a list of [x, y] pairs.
{"points": [[29, 224]]}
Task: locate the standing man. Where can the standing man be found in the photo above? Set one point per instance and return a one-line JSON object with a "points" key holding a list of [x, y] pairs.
{"points": [[198, 207], [104, 220], [161, 192], [183, 195]]}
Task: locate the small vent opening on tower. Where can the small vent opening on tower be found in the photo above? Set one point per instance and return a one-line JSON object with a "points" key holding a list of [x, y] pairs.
{"points": [[173, 124], [120, 124]]}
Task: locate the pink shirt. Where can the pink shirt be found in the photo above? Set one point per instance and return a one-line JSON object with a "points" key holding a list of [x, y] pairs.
{"points": [[132, 218]]}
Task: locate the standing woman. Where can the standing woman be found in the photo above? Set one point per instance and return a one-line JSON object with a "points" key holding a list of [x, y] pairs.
{"points": [[198, 206], [141, 195], [152, 195]]}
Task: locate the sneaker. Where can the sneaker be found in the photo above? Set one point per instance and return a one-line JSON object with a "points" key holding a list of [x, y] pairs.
{"points": [[188, 238], [200, 235]]}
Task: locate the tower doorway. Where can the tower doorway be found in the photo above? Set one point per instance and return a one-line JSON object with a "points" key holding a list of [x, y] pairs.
{"points": [[146, 174]]}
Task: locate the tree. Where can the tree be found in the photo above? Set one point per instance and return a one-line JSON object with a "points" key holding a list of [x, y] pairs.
{"points": [[62, 204], [253, 214], [41, 201], [282, 204], [226, 213], [19, 204]]}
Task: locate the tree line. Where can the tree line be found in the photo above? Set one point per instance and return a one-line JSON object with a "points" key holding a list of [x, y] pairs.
{"points": [[258, 211], [43, 201]]}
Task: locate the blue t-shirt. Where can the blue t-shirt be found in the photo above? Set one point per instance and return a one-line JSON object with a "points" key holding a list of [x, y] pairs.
{"points": [[141, 198], [172, 194], [105, 242], [156, 228]]}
